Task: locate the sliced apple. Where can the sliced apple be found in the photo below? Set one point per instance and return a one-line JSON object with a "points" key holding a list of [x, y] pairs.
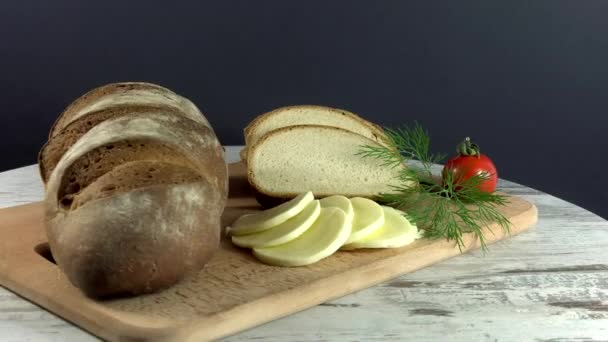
{"points": [[282, 233], [322, 239], [396, 231], [368, 216], [339, 202], [263, 220]]}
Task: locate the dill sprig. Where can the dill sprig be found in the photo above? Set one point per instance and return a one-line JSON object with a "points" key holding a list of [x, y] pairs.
{"points": [[443, 207]]}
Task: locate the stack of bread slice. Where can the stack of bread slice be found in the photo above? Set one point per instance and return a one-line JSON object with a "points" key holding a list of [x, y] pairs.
{"points": [[296, 149]]}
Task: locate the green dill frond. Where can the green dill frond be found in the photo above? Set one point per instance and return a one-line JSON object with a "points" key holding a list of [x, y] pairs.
{"points": [[413, 143], [443, 208], [390, 158]]}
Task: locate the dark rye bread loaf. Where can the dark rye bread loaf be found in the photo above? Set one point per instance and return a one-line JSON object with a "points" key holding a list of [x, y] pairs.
{"points": [[134, 203]]}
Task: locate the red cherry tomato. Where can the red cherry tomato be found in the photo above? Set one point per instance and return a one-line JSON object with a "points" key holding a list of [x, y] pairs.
{"points": [[470, 162]]}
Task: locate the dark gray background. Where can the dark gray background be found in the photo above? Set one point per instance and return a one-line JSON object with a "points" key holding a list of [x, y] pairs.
{"points": [[528, 80]]}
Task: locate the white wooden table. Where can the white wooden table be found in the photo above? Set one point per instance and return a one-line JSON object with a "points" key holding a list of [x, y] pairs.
{"points": [[547, 284]]}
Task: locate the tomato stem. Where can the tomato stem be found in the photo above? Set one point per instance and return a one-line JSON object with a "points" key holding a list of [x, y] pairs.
{"points": [[467, 148]]}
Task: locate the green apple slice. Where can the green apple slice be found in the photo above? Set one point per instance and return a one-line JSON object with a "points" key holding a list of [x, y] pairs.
{"points": [[322, 239], [282, 233], [341, 202], [396, 231], [263, 220], [368, 217]]}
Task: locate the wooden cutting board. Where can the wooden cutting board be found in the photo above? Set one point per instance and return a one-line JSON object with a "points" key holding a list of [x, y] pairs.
{"points": [[234, 291]]}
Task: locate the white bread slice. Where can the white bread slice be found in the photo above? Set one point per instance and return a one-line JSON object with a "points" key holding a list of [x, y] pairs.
{"points": [[309, 115], [322, 159]]}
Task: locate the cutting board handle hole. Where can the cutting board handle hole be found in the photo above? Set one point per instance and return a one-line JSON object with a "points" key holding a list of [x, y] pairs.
{"points": [[44, 251]]}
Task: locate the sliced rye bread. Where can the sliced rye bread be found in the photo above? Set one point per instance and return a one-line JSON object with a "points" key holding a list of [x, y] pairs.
{"points": [[322, 159], [114, 230], [309, 115], [56, 146], [159, 137], [101, 161], [125, 94]]}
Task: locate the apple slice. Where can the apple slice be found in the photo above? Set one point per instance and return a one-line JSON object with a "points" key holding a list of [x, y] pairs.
{"points": [[339, 202], [322, 239], [263, 220], [368, 216], [396, 231], [282, 233]]}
